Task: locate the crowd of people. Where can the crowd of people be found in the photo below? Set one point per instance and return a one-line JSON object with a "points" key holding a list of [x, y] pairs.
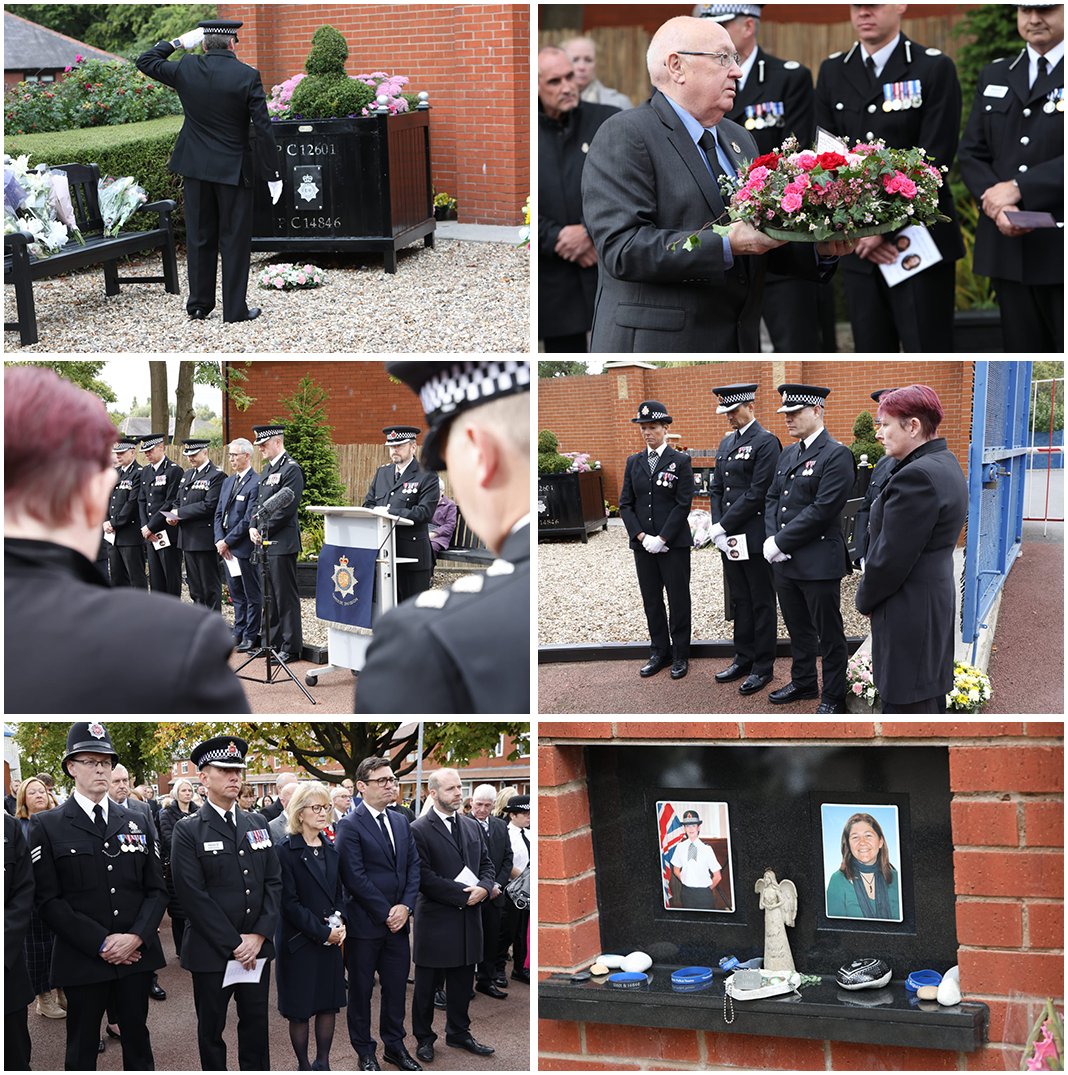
{"points": [[329, 887]]}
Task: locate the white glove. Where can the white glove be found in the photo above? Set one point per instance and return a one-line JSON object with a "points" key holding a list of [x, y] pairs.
{"points": [[720, 541], [193, 38], [660, 545], [716, 531], [275, 188], [862, 561], [649, 543], [773, 554]]}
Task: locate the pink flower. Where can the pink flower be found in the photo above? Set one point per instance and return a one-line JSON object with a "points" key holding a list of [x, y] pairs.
{"points": [[67, 69], [279, 282], [899, 183], [78, 57], [857, 688], [806, 160], [863, 147], [755, 186], [301, 278], [791, 202], [743, 195], [760, 174]]}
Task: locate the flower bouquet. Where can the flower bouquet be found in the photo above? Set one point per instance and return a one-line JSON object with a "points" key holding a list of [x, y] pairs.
{"points": [[118, 199], [859, 679], [291, 277], [971, 689], [30, 206]]}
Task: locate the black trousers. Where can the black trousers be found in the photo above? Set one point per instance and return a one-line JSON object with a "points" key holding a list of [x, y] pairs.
{"points": [[17, 1041], [218, 220], [286, 631], [202, 572], [211, 1002], [574, 344], [812, 610], [165, 568], [795, 312], [412, 580], [753, 605], [925, 705], [390, 958], [513, 935], [458, 982], [127, 566], [127, 998], [658, 572], [1032, 316], [917, 315], [486, 970], [247, 593]]}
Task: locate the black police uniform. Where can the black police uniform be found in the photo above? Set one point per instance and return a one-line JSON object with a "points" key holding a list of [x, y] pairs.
{"points": [[745, 467], [198, 497], [94, 881], [18, 905], [283, 531], [1017, 132], [228, 882], [917, 314], [220, 96], [880, 475], [126, 557], [565, 289], [462, 650], [658, 504], [803, 514], [414, 495], [159, 491]]}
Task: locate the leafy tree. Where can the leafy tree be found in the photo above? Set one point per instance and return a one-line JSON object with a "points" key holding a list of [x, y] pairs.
{"points": [[1040, 406], [83, 374], [562, 368], [42, 745]]}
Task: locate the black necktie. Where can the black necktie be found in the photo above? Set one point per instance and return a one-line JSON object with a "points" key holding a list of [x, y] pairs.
{"points": [[707, 142], [455, 832], [1043, 68], [385, 833], [98, 818], [869, 63], [523, 833], [230, 820]]}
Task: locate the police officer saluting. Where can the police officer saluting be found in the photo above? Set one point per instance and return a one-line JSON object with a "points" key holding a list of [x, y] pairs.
{"points": [[198, 497], [804, 542], [1012, 158], [229, 883], [126, 555], [889, 87], [100, 890], [160, 479], [745, 467]]}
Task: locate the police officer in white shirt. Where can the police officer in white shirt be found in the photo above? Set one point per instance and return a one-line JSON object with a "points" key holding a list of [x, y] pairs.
{"points": [[696, 866]]}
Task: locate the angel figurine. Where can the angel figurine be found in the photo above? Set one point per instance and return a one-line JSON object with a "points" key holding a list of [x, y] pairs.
{"points": [[778, 901]]}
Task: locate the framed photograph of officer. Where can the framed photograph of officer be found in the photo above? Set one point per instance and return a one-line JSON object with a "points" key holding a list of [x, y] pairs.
{"points": [[695, 856], [861, 861]]}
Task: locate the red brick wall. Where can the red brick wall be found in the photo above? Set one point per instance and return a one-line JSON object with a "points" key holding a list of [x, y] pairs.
{"points": [[1007, 781], [592, 414], [474, 61]]}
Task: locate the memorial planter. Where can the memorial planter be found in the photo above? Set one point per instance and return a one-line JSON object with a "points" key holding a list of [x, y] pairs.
{"points": [[571, 504]]}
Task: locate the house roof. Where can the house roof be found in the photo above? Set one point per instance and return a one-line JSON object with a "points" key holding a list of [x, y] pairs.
{"points": [[29, 47], [141, 427]]}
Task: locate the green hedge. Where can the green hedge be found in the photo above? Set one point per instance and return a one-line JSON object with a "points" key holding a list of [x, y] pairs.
{"points": [[138, 149]]}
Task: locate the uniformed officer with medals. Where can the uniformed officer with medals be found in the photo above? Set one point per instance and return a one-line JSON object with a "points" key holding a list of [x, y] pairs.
{"points": [[1012, 158], [745, 466], [100, 890], [880, 475], [160, 479], [229, 883], [126, 554], [891, 88], [804, 543], [405, 488], [198, 497]]}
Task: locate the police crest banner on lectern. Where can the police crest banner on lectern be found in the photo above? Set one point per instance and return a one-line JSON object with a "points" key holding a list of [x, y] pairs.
{"points": [[344, 585]]}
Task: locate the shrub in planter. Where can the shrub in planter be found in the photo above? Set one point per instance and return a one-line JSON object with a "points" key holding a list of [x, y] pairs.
{"points": [[550, 461], [864, 442], [328, 91]]}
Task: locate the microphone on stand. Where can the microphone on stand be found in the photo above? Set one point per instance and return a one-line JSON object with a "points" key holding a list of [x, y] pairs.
{"points": [[282, 499]]}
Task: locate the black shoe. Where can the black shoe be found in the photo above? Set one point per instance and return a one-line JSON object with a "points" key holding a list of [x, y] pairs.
{"points": [[245, 646], [253, 313], [490, 990], [197, 314], [680, 668], [471, 1046], [425, 1052], [285, 655], [401, 1059], [791, 693], [501, 981], [101, 1047], [521, 976], [367, 1063], [439, 999], [732, 672], [754, 683], [157, 992], [827, 706], [652, 666]]}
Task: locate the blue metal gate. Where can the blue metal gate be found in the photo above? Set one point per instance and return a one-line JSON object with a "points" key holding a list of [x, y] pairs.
{"points": [[997, 462]]}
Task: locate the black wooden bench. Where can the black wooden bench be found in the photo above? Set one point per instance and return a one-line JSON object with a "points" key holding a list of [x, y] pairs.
{"points": [[21, 268], [466, 547]]}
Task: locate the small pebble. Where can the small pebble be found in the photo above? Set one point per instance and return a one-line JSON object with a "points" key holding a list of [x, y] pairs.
{"points": [[599, 968], [927, 992]]}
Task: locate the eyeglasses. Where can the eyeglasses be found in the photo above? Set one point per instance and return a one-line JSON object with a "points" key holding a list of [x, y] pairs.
{"points": [[724, 59], [319, 808], [382, 781], [101, 765]]}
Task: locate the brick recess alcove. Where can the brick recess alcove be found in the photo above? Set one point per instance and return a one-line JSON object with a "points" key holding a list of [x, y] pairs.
{"points": [[1007, 811]]}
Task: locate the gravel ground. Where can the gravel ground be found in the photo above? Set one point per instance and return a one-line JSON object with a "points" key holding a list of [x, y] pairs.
{"points": [[457, 297], [589, 593]]}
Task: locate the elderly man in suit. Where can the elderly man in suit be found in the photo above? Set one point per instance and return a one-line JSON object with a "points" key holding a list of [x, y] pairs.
{"points": [[233, 518], [499, 845], [651, 179]]}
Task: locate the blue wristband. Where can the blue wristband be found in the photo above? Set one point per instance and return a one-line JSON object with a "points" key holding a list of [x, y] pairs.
{"points": [[918, 978]]}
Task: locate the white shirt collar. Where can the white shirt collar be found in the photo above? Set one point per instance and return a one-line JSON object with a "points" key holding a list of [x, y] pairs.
{"points": [[746, 426], [89, 806], [222, 813], [523, 520], [881, 56], [278, 459], [242, 473], [1053, 57], [658, 451], [809, 440], [401, 468], [747, 66], [444, 818]]}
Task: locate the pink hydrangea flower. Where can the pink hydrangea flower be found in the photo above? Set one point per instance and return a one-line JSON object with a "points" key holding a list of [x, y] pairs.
{"points": [[791, 202]]}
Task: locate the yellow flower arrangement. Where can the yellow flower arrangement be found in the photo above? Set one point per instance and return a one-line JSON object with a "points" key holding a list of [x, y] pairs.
{"points": [[971, 689]]}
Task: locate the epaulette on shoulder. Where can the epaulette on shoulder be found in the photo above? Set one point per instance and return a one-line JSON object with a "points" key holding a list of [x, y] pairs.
{"points": [[432, 599]]}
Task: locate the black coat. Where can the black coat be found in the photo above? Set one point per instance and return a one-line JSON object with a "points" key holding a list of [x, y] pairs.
{"points": [[565, 290], [226, 887], [499, 847], [62, 604], [310, 973], [744, 471], [804, 509], [462, 650], [908, 587], [850, 105], [1011, 136], [198, 496], [658, 504], [284, 527], [90, 886], [880, 475], [18, 903], [122, 508], [783, 90], [414, 495], [448, 932], [159, 491], [220, 96]]}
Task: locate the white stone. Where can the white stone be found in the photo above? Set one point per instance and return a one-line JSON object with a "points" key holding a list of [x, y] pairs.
{"points": [[637, 962], [611, 962], [948, 991]]}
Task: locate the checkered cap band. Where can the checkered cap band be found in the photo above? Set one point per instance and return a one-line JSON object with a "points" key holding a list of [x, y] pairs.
{"points": [[802, 400], [224, 759], [193, 446], [471, 384], [151, 441], [653, 416], [726, 12], [732, 399], [125, 444], [395, 437], [264, 433]]}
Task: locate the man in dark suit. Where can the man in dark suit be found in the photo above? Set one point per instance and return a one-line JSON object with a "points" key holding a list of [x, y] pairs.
{"points": [[18, 906], [887, 86], [233, 517], [229, 883], [194, 515], [1012, 158], [380, 875], [450, 844], [806, 547], [654, 505], [56, 601], [651, 180], [160, 479], [126, 556], [280, 526], [745, 466], [100, 890], [221, 97], [499, 846]]}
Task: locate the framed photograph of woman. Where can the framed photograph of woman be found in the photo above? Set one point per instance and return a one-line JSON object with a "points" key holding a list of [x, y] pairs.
{"points": [[862, 861], [696, 865]]}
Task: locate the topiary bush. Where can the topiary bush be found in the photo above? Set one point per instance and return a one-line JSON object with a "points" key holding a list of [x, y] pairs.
{"points": [[864, 442], [329, 52], [328, 92], [550, 461]]}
